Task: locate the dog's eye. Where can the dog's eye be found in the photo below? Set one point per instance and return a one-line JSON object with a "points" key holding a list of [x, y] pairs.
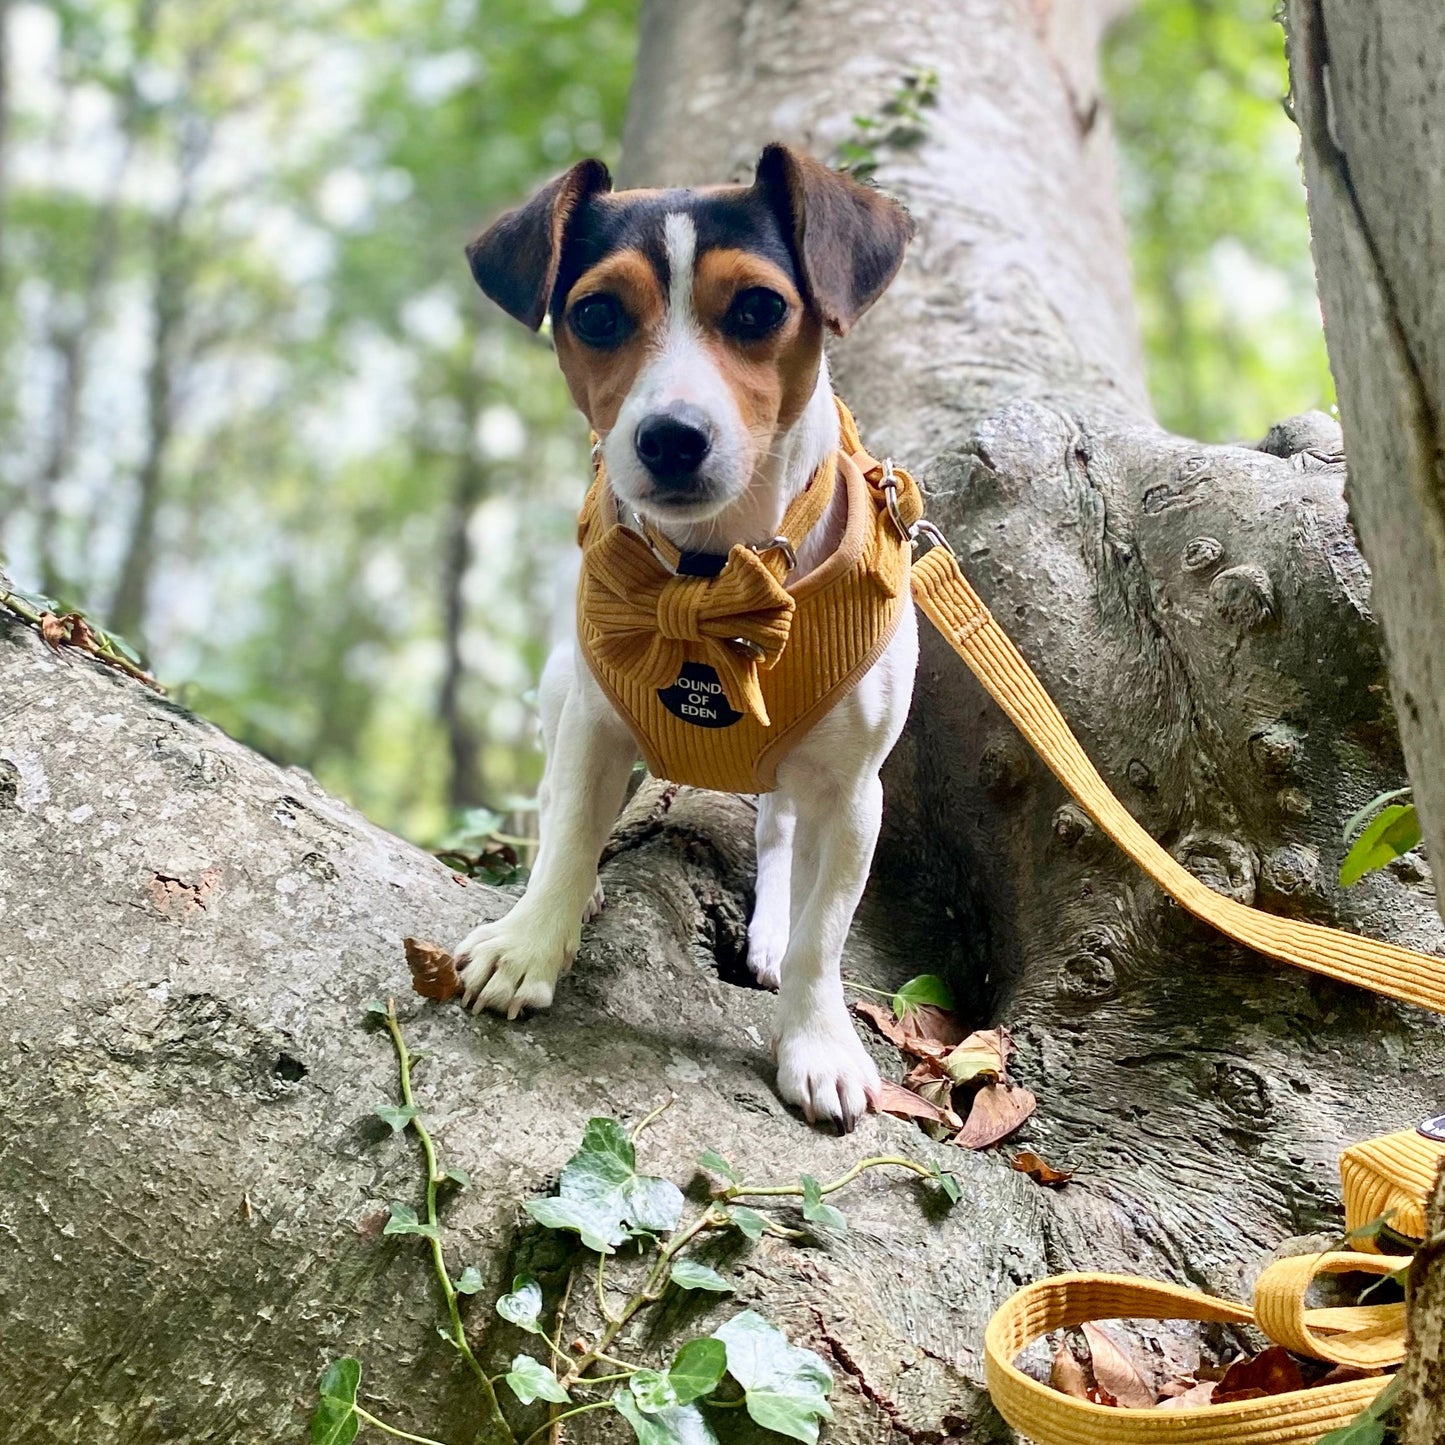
{"points": [[598, 320], [755, 312]]}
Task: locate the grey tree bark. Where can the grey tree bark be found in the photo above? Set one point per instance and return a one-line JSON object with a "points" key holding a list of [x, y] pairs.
{"points": [[189, 1175], [1372, 116]]}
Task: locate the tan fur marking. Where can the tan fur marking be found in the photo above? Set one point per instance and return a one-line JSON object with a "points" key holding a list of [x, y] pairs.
{"points": [[600, 380], [772, 379]]}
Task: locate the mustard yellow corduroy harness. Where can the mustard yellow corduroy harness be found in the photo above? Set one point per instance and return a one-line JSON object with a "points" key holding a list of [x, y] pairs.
{"points": [[760, 664], [719, 668]]}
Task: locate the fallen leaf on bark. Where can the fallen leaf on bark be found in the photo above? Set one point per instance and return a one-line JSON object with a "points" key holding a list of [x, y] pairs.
{"points": [[898, 1034], [1343, 1375], [937, 1025], [53, 630], [998, 1109], [1197, 1394], [1039, 1170], [983, 1053], [905, 1104], [1115, 1371], [1067, 1375], [1271, 1372], [433, 970]]}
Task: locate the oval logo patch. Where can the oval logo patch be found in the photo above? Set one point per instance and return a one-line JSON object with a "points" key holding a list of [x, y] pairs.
{"points": [[697, 697]]}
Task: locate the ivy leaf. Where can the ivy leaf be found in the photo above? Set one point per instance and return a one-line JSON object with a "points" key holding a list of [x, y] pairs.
{"points": [[688, 1274], [377, 1006], [749, 1221], [524, 1305], [459, 1177], [927, 988], [333, 1423], [677, 1425], [1393, 832], [714, 1163], [471, 1282], [603, 1197], [334, 1420], [601, 1229], [946, 1181], [530, 1379], [698, 1369], [652, 1390], [1359, 819], [786, 1387], [816, 1212], [653, 1204], [397, 1115], [404, 1221]]}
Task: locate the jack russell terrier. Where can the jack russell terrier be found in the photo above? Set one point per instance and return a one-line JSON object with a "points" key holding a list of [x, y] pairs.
{"points": [[689, 326]]}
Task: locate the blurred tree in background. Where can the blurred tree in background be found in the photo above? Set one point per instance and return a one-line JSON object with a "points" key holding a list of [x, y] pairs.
{"points": [[255, 416], [1216, 208]]}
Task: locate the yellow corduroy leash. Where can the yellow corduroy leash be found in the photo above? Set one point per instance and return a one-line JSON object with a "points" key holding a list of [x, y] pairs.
{"points": [[1390, 1177]]}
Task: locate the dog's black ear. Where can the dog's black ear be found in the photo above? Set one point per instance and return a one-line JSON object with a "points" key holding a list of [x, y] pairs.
{"points": [[515, 259], [848, 237]]}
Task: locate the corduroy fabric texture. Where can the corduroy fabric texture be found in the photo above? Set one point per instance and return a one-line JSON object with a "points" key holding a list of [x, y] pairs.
{"points": [[1368, 1336], [781, 656]]}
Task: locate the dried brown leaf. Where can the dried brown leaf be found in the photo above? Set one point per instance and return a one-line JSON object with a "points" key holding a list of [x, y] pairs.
{"points": [[1039, 1170], [998, 1109], [1343, 1374], [78, 631], [1115, 1371], [984, 1053], [1271, 1372], [1067, 1375], [905, 1104], [433, 970], [897, 1034], [928, 1021], [52, 629], [1197, 1394]]}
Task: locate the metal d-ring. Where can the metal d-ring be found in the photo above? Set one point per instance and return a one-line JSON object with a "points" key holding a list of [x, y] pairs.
{"points": [[776, 544]]}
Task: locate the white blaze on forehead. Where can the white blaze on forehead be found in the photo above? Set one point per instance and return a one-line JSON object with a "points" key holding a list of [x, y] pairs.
{"points": [[679, 237]]}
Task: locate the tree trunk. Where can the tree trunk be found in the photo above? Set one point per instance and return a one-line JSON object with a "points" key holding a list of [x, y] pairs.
{"points": [[1372, 116], [189, 934], [132, 588], [469, 485]]}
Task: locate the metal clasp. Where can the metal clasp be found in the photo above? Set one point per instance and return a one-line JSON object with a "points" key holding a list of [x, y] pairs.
{"points": [[922, 527], [776, 544]]}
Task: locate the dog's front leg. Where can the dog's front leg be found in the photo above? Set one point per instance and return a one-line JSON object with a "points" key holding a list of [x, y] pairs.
{"points": [[514, 963], [769, 926], [822, 1066]]}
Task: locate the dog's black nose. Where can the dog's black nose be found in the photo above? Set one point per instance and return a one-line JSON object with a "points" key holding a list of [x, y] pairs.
{"points": [[671, 444]]}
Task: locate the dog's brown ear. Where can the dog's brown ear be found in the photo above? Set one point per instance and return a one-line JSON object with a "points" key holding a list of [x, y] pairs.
{"points": [[515, 259], [849, 238]]}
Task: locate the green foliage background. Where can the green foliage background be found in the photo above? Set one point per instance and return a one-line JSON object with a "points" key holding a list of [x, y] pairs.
{"points": [[253, 411]]}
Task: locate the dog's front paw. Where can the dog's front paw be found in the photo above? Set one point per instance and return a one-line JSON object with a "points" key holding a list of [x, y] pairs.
{"points": [[512, 964], [767, 943], [824, 1069]]}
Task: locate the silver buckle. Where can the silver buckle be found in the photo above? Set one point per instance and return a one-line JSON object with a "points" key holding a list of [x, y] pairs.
{"points": [[776, 544]]}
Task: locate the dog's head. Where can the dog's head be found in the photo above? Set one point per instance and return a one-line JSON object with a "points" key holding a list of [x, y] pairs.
{"points": [[689, 323]]}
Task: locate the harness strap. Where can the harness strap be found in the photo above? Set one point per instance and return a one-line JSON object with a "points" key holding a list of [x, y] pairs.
{"points": [[1364, 1337], [945, 597]]}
